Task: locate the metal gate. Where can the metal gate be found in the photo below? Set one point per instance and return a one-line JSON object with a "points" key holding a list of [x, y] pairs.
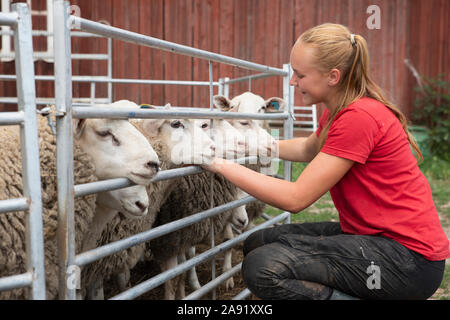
{"points": [[67, 190], [20, 21]]}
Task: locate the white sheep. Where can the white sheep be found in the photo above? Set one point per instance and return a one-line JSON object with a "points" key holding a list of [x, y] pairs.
{"points": [[259, 141], [96, 141], [177, 142], [191, 196]]}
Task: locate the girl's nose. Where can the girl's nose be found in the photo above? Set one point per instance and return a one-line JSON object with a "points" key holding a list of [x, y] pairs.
{"points": [[293, 80]]}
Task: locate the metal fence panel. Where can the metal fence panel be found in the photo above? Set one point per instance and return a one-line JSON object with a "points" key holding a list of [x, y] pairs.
{"points": [[20, 20], [65, 142]]}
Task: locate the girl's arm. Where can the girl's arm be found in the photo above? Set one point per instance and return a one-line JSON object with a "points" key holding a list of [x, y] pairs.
{"points": [[322, 173], [299, 149]]}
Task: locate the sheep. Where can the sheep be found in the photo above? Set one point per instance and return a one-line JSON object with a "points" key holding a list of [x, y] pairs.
{"points": [[132, 202], [177, 142], [260, 141], [230, 144], [192, 195], [92, 152]]}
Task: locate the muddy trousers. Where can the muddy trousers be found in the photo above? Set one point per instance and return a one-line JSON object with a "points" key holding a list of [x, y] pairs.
{"points": [[309, 260]]}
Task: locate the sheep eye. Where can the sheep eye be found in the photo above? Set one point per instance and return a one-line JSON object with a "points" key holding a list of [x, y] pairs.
{"points": [[103, 133], [244, 123], [116, 141], [205, 125], [176, 124]]}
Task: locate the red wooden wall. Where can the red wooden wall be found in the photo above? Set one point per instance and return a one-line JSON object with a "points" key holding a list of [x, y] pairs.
{"points": [[261, 31]]}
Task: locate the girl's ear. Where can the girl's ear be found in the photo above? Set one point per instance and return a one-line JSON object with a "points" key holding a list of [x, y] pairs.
{"points": [[333, 77]]}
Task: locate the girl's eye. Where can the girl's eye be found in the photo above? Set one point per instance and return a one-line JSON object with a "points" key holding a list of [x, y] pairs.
{"points": [[176, 124]]}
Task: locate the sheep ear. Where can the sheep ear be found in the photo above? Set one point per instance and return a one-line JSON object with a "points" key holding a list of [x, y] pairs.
{"points": [[222, 103], [274, 104], [151, 126], [78, 127]]}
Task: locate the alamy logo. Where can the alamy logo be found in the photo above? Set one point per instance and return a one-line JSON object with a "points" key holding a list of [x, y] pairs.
{"points": [[374, 280], [74, 276], [374, 20]]}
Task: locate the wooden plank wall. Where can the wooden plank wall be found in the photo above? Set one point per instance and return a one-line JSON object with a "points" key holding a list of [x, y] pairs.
{"points": [[262, 31]]}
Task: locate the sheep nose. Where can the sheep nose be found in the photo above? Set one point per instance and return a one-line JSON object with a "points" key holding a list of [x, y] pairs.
{"points": [[141, 206], [152, 165], [213, 148]]}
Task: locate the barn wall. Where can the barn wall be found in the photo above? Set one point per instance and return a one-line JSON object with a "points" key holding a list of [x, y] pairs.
{"points": [[262, 31]]}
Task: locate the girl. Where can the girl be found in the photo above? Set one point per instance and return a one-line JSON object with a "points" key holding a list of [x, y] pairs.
{"points": [[389, 243]]}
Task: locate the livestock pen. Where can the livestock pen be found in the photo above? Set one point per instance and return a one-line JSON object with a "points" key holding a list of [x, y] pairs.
{"points": [[70, 262]]}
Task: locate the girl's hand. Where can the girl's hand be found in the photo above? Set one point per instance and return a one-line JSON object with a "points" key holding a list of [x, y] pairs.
{"points": [[215, 165]]}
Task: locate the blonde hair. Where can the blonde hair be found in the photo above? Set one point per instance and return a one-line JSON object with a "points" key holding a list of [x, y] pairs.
{"points": [[338, 49]]}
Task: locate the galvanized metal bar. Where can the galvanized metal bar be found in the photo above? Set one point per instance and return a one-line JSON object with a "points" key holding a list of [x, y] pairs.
{"points": [[221, 86], [85, 189], [133, 37], [204, 256], [106, 79], [96, 112], [64, 146], [250, 77], [16, 281], [10, 118], [75, 56], [18, 204], [26, 93], [226, 88], [211, 190], [197, 294], [118, 183], [8, 19], [114, 247], [288, 125], [242, 295], [110, 70]]}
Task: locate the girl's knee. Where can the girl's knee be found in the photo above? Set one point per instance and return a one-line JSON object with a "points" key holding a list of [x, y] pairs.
{"points": [[262, 270], [253, 241]]}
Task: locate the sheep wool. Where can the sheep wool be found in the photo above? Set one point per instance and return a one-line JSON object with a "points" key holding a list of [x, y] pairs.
{"points": [[120, 227], [12, 224]]}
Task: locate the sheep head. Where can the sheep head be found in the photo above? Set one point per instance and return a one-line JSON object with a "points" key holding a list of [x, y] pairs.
{"points": [[117, 148], [185, 141], [230, 143], [133, 201], [259, 141]]}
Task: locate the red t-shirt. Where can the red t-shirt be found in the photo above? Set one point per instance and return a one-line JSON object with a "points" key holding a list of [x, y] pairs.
{"points": [[384, 193]]}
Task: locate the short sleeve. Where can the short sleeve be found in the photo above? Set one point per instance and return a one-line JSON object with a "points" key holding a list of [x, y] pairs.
{"points": [[352, 135]]}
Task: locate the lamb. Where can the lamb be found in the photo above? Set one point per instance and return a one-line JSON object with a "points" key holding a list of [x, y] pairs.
{"points": [[92, 151], [177, 142]]}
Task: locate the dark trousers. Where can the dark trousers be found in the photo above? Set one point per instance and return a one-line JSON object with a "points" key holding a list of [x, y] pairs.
{"points": [[306, 261]]}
